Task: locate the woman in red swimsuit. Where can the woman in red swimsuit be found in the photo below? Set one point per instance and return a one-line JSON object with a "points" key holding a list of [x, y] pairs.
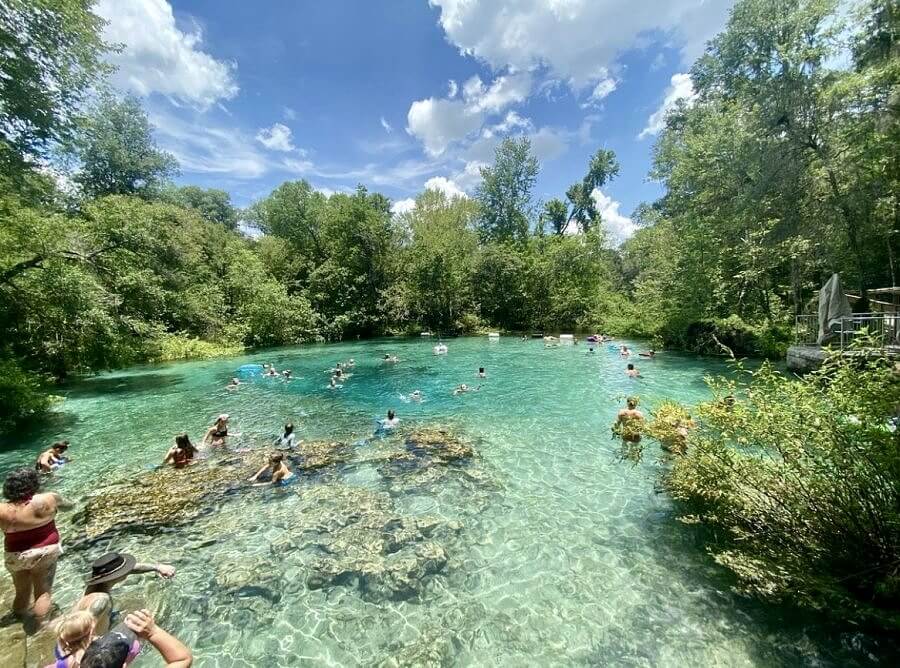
{"points": [[31, 540]]}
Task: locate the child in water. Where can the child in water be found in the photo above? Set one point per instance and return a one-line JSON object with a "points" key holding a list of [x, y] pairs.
{"points": [[275, 472]]}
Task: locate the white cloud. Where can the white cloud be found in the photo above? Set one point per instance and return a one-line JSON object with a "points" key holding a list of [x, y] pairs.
{"points": [[603, 88], [680, 88], [618, 227], [445, 185], [387, 126], [403, 206], [470, 176], [276, 138], [438, 123], [452, 89], [158, 57], [576, 40], [290, 114], [512, 121], [208, 149]]}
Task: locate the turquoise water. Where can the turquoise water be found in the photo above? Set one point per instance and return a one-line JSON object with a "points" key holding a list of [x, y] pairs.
{"points": [[542, 549]]}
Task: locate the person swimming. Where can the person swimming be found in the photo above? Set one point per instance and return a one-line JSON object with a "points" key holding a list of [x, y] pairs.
{"points": [[334, 385], [182, 453], [623, 351], [390, 422], [286, 374], [351, 363], [481, 373], [215, 436], [271, 373], [275, 471], [631, 372], [233, 384], [288, 437], [390, 359], [416, 395], [462, 388], [53, 457]]}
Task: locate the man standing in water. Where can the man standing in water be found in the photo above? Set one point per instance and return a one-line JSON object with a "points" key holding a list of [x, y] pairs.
{"points": [[107, 572], [629, 421]]}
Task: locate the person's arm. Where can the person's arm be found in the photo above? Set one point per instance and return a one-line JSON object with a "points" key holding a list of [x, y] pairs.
{"points": [[173, 651], [170, 456], [163, 570], [42, 462], [258, 473], [61, 503]]}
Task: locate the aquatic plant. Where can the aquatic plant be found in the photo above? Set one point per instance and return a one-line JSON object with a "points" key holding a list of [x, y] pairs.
{"points": [[801, 481]]}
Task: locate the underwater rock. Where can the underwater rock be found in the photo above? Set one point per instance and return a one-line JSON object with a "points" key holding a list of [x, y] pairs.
{"points": [[13, 646], [362, 543], [311, 455], [438, 443], [163, 497]]}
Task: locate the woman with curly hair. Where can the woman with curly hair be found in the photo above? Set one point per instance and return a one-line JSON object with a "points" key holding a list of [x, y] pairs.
{"points": [[31, 540]]}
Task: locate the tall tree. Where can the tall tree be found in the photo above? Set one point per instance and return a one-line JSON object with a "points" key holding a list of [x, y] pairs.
{"points": [[602, 168], [212, 204], [117, 152], [505, 192], [51, 54], [556, 214]]}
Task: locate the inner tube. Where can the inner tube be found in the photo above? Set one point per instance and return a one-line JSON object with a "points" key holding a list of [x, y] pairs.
{"points": [[592, 339]]}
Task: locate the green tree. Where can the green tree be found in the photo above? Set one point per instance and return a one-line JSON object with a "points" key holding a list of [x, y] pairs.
{"points": [[51, 56], [556, 213], [117, 153], [437, 263], [505, 192], [212, 204], [602, 168]]}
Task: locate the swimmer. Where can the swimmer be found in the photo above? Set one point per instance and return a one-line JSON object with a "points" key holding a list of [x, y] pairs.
{"points": [[271, 373], [416, 395], [288, 437], [623, 351], [463, 388], [481, 373], [233, 384], [182, 453], [351, 363], [287, 374], [390, 422], [390, 359], [590, 350], [631, 372], [52, 458], [629, 421], [274, 472], [333, 385], [650, 354], [215, 435]]}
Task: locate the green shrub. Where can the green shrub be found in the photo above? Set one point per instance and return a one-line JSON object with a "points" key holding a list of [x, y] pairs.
{"points": [[22, 396], [765, 339], [800, 480], [171, 347]]}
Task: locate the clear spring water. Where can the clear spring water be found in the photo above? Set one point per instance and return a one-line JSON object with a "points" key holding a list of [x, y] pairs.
{"points": [[563, 555]]}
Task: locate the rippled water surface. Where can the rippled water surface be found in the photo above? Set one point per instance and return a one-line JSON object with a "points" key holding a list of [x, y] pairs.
{"points": [[541, 549]]}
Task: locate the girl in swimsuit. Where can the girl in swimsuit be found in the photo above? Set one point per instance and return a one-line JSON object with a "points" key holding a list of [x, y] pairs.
{"points": [[215, 435], [182, 453], [275, 472], [52, 458], [31, 541], [74, 633], [287, 439]]}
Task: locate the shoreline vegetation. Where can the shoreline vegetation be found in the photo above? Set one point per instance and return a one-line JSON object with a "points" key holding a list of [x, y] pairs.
{"points": [[781, 168]]}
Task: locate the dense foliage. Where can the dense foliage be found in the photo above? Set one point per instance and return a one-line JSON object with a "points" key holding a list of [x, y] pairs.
{"points": [[779, 171], [783, 169], [800, 481]]}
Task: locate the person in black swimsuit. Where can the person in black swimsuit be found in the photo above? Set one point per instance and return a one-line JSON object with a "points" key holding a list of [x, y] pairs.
{"points": [[215, 435]]}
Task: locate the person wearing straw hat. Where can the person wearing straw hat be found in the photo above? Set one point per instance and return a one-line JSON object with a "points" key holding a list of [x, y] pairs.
{"points": [[106, 572]]}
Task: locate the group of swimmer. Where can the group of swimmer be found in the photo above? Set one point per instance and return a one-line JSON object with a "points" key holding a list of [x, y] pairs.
{"points": [[87, 636]]}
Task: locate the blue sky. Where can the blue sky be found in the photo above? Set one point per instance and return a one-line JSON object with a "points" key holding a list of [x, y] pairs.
{"points": [[403, 95]]}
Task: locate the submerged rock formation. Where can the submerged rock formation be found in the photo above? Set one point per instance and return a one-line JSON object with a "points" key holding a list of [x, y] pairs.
{"points": [[360, 541]]}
